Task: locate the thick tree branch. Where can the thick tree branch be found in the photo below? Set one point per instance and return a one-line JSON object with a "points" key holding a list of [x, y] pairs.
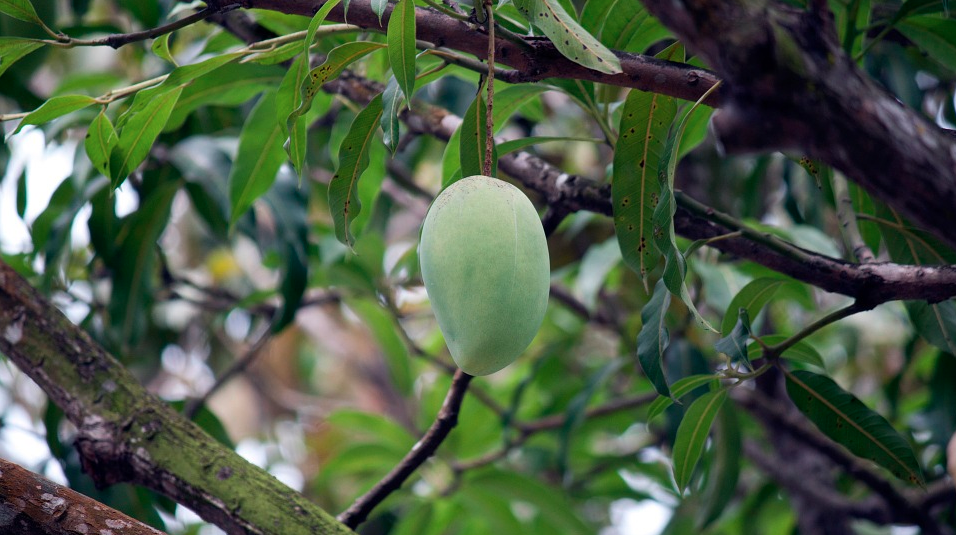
{"points": [[126, 434], [792, 87], [423, 449], [532, 60], [33, 505]]}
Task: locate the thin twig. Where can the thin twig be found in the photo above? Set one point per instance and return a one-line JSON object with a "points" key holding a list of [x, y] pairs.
{"points": [[832, 317], [420, 452], [847, 217], [238, 366], [120, 39]]}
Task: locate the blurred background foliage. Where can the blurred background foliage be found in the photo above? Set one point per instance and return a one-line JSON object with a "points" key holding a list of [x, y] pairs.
{"points": [[158, 273]]}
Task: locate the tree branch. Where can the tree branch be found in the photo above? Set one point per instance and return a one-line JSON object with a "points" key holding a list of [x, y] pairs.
{"points": [[126, 434], [447, 419], [792, 87], [34, 505]]}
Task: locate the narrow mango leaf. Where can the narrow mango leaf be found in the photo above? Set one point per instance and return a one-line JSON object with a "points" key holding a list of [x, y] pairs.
{"points": [[576, 410], [524, 142], [451, 159], [734, 344], [936, 323], [391, 106], [935, 35], [20, 9], [474, 139], [846, 420], [401, 45], [692, 435], [635, 188], [724, 468], [288, 203], [338, 59], [135, 259], [314, 24], [353, 159], [679, 389], [138, 134], [378, 7], [259, 157], [799, 352], [573, 41], [160, 47], [675, 267], [653, 338], [100, 141], [233, 84], [14, 48], [382, 326], [510, 99], [751, 297], [288, 100], [55, 107]]}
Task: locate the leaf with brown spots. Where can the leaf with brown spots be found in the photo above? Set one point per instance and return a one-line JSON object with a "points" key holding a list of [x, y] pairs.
{"points": [[569, 37]]}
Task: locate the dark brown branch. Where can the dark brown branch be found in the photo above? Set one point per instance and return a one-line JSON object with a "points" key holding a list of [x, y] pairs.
{"points": [[533, 60], [34, 505], [447, 419], [120, 39], [790, 86]]}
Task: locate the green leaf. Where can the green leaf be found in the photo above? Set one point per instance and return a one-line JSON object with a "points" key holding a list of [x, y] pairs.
{"points": [[14, 48], [752, 298], [401, 45], [160, 47], [378, 7], [799, 352], [314, 24], [100, 141], [55, 107], [936, 36], [135, 259], [679, 389], [653, 338], [524, 142], [382, 325], [734, 344], [724, 469], [510, 99], [573, 41], [258, 159], [353, 159], [20, 9], [391, 106], [675, 267], [337, 60], [138, 134], [233, 84], [556, 511], [473, 139], [692, 435], [288, 100], [288, 203], [936, 323], [635, 188], [846, 420]]}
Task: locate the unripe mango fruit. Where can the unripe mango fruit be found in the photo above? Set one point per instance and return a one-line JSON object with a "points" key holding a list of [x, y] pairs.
{"points": [[485, 264]]}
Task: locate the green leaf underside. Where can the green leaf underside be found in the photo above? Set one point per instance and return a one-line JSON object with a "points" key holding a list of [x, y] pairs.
{"points": [[259, 157], [692, 435], [139, 133], [337, 60], [160, 47], [14, 48], [391, 105], [573, 41], [653, 338], [401, 45], [752, 297], [56, 107], [679, 389], [847, 421], [378, 7], [635, 189], [100, 140], [473, 139], [353, 159], [734, 344], [232, 84], [799, 352]]}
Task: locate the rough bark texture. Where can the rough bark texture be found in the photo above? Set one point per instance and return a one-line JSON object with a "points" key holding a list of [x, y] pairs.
{"points": [[790, 86], [30, 504], [126, 434]]}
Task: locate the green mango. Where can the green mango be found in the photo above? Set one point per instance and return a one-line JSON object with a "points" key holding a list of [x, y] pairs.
{"points": [[484, 259]]}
